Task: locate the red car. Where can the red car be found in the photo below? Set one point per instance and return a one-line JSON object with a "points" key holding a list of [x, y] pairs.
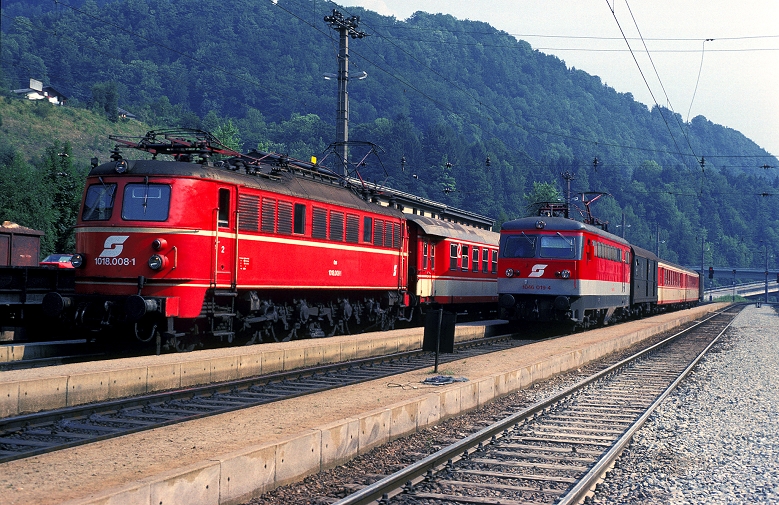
{"points": [[57, 260]]}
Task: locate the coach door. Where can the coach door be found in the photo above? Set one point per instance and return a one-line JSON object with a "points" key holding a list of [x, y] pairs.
{"points": [[626, 271], [225, 241]]}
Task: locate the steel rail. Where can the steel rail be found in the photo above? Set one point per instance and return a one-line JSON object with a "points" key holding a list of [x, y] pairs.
{"points": [[405, 478], [583, 486], [27, 435]]}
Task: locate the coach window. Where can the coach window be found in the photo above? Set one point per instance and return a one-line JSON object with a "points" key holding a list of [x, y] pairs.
{"points": [[300, 218], [151, 202], [466, 263], [425, 245], [367, 230], [494, 261], [432, 257], [452, 256], [475, 259], [99, 202], [485, 260]]}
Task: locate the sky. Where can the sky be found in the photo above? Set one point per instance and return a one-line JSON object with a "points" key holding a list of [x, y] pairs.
{"points": [[732, 80]]}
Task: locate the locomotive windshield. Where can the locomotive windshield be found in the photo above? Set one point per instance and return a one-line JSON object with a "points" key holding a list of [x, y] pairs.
{"points": [[99, 202], [519, 246], [558, 246], [146, 202], [541, 246]]}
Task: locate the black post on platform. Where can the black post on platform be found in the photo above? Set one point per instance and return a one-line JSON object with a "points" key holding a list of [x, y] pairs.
{"points": [[439, 333], [438, 338]]}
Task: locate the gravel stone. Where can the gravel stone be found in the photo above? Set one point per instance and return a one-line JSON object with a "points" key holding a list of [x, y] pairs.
{"points": [[328, 486], [715, 440]]}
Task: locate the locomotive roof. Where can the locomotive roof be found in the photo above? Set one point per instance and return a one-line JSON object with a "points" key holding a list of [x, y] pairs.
{"points": [[438, 228], [557, 224], [305, 184]]}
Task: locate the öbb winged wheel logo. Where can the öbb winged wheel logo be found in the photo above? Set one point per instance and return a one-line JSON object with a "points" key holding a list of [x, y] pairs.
{"points": [[113, 246]]}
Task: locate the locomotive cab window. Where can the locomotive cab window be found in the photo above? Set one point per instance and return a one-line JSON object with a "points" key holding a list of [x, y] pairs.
{"points": [[146, 202], [557, 246], [223, 217], [99, 202], [519, 246]]}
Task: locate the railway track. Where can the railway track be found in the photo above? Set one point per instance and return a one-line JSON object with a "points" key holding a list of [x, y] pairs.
{"points": [[556, 450], [42, 432]]}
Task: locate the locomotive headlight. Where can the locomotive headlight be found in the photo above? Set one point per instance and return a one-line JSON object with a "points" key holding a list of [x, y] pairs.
{"points": [[509, 272], [159, 243], [565, 274], [156, 262], [121, 166], [77, 260]]}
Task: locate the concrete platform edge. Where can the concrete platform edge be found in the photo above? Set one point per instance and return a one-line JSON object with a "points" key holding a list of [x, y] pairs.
{"points": [[237, 477], [53, 392]]}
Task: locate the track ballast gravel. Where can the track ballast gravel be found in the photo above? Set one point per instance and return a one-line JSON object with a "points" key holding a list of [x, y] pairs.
{"points": [[715, 440], [326, 487]]}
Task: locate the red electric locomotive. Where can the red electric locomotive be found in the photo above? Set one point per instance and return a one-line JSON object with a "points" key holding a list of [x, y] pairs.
{"points": [[557, 269], [256, 245]]}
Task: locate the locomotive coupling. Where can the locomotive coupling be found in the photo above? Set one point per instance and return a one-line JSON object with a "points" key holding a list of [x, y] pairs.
{"points": [[137, 306], [54, 303], [506, 300]]}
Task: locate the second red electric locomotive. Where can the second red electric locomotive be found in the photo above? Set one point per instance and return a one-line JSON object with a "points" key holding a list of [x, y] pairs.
{"points": [[556, 269]]}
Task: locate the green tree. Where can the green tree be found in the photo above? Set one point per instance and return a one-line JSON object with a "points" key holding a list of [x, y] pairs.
{"points": [[228, 134], [105, 98], [63, 185], [542, 192]]}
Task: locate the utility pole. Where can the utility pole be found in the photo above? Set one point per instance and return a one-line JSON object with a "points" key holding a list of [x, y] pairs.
{"points": [[568, 176], [346, 27], [703, 259], [765, 251]]}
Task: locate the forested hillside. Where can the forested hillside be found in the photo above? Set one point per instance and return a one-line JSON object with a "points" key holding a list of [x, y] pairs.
{"points": [[444, 95]]}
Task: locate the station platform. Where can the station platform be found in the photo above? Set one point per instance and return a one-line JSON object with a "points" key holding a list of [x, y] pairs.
{"points": [[232, 457]]}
